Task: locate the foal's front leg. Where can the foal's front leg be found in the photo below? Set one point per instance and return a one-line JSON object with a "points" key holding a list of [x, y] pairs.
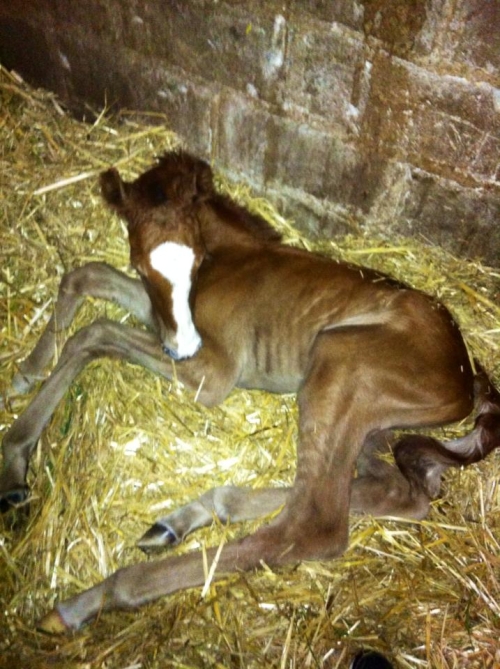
{"points": [[97, 280], [102, 338]]}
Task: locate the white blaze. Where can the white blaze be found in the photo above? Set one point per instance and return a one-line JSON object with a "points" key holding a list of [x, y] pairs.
{"points": [[175, 262]]}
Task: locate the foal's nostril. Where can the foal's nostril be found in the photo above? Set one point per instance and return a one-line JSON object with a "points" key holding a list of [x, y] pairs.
{"points": [[171, 352]]}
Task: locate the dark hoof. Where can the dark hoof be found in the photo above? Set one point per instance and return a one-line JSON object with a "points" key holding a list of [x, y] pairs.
{"points": [[157, 538], [370, 659], [52, 623], [14, 506], [13, 499]]}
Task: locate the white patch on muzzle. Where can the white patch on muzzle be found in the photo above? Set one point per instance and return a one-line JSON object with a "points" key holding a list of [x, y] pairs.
{"points": [[175, 263]]}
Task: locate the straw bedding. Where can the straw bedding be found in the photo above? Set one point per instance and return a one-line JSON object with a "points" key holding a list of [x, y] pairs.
{"points": [[125, 447]]}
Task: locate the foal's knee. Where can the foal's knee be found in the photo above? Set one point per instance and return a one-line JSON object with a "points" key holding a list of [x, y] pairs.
{"points": [[72, 283], [77, 281], [90, 339]]}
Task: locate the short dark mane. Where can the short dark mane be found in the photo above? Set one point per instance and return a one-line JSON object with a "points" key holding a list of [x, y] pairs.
{"points": [[181, 160], [238, 217]]}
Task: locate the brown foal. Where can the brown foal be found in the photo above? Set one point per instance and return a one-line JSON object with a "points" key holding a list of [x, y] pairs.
{"points": [[233, 306]]}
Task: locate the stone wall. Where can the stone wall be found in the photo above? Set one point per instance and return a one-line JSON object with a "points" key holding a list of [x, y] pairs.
{"points": [[350, 115]]}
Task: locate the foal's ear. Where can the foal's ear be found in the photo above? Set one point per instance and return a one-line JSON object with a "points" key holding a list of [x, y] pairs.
{"points": [[204, 180], [113, 189]]}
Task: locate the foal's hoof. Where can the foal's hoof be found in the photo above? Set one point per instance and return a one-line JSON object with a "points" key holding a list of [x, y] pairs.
{"points": [[157, 538], [52, 623], [370, 659], [13, 499]]}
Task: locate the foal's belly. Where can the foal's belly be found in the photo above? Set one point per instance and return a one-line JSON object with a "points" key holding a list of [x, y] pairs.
{"points": [[272, 383], [275, 361]]}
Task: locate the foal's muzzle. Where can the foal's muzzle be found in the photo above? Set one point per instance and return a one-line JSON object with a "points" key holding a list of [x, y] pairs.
{"points": [[172, 353], [175, 355]]}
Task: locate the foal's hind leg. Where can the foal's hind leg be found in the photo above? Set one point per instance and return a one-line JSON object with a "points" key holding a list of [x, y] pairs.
{"points": [[313, 523], [381, 488], [353, 389], [314, 520], [95, 279], [226, 503]]}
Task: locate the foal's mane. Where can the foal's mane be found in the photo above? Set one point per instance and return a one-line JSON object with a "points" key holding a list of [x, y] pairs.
{"points": [[236, 216]]}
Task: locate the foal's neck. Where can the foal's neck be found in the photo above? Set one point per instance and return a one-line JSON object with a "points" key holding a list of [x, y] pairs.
{"points": [[224, 223]]}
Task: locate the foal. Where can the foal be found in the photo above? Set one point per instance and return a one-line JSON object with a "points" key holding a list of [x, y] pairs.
{"points": [[234, 307]]}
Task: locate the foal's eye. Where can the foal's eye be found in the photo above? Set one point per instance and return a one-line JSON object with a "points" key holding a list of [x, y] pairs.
{"points": [[157, 194]]}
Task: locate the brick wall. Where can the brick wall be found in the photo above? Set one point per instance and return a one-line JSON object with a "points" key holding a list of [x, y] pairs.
{"points": [[359, 114]]}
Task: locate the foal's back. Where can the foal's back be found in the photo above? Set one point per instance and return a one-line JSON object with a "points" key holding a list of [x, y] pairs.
{"points": [[267, 303]]}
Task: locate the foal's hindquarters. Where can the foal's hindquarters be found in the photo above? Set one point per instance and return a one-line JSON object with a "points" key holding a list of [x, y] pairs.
{"points": [[361, 382]]}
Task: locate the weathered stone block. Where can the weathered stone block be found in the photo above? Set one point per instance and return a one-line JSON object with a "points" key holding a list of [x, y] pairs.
{"points": [[441, 124], [348, 13], [463, 220], [241, 142], [455, 96], [453, 147], [310, 160], [224, 43], [329, 107], [397, 24], [321, 218], [323, 64], [189, 105], [471, 36]]}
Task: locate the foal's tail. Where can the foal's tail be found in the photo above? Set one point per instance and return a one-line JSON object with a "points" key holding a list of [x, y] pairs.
{"points": [[422, 459]]}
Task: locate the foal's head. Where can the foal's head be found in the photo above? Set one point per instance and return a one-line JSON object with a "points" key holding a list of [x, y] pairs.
{"points": [[166, 248]]}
